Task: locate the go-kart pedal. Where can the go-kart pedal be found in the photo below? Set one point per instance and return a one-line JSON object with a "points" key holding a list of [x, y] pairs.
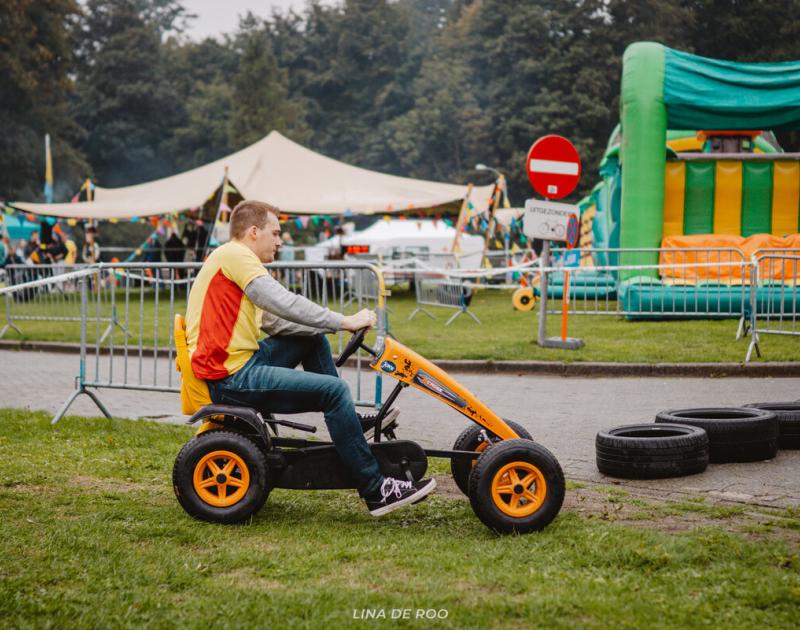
{"points": [[388, 424]]}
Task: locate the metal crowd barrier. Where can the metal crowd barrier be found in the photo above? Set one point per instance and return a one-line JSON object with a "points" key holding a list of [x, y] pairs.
{"points": [[442, 292], [145, 298], [773, 296], [692, 282], [56, 301]]}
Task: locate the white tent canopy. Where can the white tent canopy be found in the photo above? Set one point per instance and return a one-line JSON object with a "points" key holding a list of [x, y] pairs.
{"points": [[278, 171]]}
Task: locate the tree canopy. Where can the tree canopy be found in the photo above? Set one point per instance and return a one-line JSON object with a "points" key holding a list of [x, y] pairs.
{"points": [[421, 88]]}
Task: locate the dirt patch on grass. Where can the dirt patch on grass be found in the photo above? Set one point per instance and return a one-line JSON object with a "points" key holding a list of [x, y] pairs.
{"points": [[81, 482], [596, 501], [110, 485], [248, 579], [25, 488]]}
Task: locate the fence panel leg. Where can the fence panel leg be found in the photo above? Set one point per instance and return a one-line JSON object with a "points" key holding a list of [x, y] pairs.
{"points": [[68, 402], [419, 309], [453, 317]]}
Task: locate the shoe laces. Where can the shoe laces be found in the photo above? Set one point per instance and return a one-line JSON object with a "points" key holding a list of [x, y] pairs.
{"points": [[392, 486]]}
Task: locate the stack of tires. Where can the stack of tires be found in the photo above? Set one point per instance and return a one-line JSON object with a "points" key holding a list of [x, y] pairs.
{"points": [[683, 441]]}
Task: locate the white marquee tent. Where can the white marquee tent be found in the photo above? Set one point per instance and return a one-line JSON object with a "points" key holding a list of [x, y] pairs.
{"points": [[278, 171]]}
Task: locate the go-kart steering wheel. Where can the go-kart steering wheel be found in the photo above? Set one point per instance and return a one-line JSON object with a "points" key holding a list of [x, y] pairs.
{"points": [[355, 342]]}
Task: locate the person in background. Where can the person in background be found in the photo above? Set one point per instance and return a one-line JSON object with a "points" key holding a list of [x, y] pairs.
{"points": [[55, 253], [90, 253], [32, 247], [175, 251], [5, 251], [336, 251], [286, 251], [202, 240]]}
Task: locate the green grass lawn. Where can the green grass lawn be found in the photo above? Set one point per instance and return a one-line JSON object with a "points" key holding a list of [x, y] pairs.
{"points": [[93, 537], [505, 334]]}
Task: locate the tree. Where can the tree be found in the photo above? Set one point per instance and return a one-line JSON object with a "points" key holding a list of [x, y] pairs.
{"points": [[200, 73], [445, 133], [261, 102], [35, 62], [739, 30], [123, 99]]}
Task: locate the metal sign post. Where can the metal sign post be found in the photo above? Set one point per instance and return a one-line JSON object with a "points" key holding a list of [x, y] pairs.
{"points": [[554, 169], [549, 221]]}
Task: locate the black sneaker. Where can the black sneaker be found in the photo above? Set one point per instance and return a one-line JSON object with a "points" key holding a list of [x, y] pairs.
{"points": [[395, 493], [389, 423]]}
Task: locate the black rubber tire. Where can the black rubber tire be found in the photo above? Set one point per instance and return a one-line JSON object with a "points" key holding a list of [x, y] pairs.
{"points": [[788, 414], [650, 451], [491, 462], [469, 440], [253, 457], [735, 434]]}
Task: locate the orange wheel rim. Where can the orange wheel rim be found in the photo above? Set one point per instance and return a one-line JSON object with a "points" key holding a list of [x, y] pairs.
{"points": [[221, 478], [519, 489], [479, 449]]}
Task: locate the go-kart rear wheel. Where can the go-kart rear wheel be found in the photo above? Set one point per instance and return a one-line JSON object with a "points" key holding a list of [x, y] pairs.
{"points": [[221, 476], [517, 486], [471, 439]]}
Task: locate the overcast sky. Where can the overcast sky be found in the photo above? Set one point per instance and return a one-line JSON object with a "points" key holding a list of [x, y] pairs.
{"points": [[222, 16]]}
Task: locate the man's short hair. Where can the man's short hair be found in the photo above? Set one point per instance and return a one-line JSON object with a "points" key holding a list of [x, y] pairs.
{"points": [[248, 213]]}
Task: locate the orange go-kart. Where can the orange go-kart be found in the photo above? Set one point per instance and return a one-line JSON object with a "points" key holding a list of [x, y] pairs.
{"points": [[226, 471]]}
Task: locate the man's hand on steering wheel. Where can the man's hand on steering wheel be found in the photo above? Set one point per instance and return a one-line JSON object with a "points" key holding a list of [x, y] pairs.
{"points": [[365, 318]]}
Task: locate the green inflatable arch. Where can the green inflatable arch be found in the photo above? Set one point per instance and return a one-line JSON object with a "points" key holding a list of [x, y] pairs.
{"points": [[667, 89]]}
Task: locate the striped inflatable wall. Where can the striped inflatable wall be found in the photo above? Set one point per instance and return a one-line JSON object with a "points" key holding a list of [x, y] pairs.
{"points": [[731, 197]]}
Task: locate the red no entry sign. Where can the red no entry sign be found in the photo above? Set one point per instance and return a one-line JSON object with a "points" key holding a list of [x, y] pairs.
{"points": [[554, 166]]}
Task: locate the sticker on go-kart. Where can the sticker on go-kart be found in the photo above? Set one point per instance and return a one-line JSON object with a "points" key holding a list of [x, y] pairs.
{"points": [[388, 366], [426, 381]]}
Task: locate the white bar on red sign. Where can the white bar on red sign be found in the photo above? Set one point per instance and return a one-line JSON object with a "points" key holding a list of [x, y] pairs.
{"points": [[555, 167]]}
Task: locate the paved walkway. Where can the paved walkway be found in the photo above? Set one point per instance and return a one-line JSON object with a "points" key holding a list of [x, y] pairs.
{"points": [[562, 413]]}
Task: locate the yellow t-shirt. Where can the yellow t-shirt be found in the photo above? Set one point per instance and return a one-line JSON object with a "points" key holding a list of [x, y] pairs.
{"points": [[221, 322]]}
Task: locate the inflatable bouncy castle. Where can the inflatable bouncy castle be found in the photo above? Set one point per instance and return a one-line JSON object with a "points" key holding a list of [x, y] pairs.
{"points": [[690, 167]]}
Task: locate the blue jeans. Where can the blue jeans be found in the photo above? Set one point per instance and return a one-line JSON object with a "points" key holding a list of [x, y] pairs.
{"points": [[269, 383]]}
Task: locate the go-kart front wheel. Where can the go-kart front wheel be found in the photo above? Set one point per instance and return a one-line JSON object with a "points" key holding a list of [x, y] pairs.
{"points": [[471, 439], [221, 476], [516, 486]]}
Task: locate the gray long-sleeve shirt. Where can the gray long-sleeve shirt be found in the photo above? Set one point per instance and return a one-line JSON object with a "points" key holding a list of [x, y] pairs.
{"points": [[286, 313]]}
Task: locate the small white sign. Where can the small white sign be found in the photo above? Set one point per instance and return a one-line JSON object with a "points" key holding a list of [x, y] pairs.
{"points": [[547, 219]]}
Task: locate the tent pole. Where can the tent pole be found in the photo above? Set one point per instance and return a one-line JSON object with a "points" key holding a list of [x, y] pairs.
{"points": [[462, 218], [223, 200], [498, 191]]}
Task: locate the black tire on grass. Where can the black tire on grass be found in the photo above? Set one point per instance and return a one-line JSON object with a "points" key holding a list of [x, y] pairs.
{"points": [[788, 414], [526, 506], [651, 451], [470, 440], [735, 434], [249, 473]]}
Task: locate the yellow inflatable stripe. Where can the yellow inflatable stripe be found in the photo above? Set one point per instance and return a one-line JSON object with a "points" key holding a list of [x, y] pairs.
{"points": [[785, 197], [674, 184], [681, 145], [728, 198]]}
